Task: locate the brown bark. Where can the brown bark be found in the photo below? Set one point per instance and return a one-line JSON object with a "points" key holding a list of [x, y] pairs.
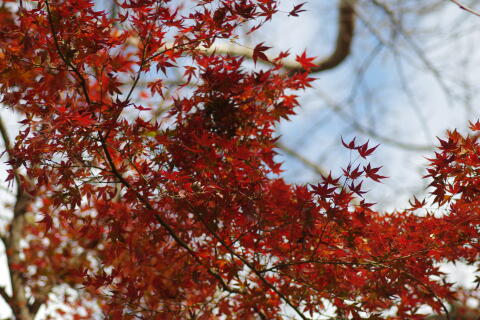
{"points": [[345, 34], [18, 301]]}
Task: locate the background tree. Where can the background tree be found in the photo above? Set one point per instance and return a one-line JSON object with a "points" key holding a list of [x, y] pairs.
{"points": [[184, 214]]}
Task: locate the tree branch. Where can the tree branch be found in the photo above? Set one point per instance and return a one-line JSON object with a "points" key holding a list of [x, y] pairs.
{"points": [[249, 265], [161, 221], [6, 297], [183, 244], [346, 31], [40, 299], [343, 44], [327, 262], [18, 302], [74, 69]]}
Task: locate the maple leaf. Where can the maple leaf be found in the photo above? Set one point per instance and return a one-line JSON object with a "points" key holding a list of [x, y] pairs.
{"points": [[416, 204], [297, 9], [475, 126], [182, 206], [84, 120], [48, 221], [219, 16], [447, 145], [258, 52], [163, 64], [269, 8], [306, 62], [244, 9], [372, 173], [364, 151], [351, 145], [156, 87], [352, 174], [113, 85], [282, 55], [190, 72], [329, 179], [323, 190], [356, 188], [364, 204]]}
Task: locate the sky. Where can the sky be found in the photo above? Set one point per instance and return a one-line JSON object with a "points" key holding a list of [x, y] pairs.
{"points": [[398, 96]]}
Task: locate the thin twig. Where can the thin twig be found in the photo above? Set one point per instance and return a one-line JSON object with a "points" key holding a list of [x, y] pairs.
{"points": [[80, 77], [329, 262], [464, 7], [249, 265], [416, 48]]}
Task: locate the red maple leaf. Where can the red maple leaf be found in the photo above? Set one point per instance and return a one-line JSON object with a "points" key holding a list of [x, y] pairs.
{"points": [[351, 145], [258, 52], [364, 151], [306, 62], [475, 126], [372, 173], [297, 9]]}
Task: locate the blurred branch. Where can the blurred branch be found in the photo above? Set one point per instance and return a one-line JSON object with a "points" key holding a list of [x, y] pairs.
{"points": [[310, 164], [421, 55], [365, 130], [413, 104]]}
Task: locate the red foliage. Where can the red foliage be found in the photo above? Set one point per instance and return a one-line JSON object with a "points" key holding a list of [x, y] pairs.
{"points": [[187, 218]]}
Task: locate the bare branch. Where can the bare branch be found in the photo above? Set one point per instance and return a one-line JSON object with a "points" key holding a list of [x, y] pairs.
{"points": [[435, 72]]}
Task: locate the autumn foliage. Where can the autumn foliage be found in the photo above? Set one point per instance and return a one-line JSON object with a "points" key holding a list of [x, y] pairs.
{"points": [[176, 209]]}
